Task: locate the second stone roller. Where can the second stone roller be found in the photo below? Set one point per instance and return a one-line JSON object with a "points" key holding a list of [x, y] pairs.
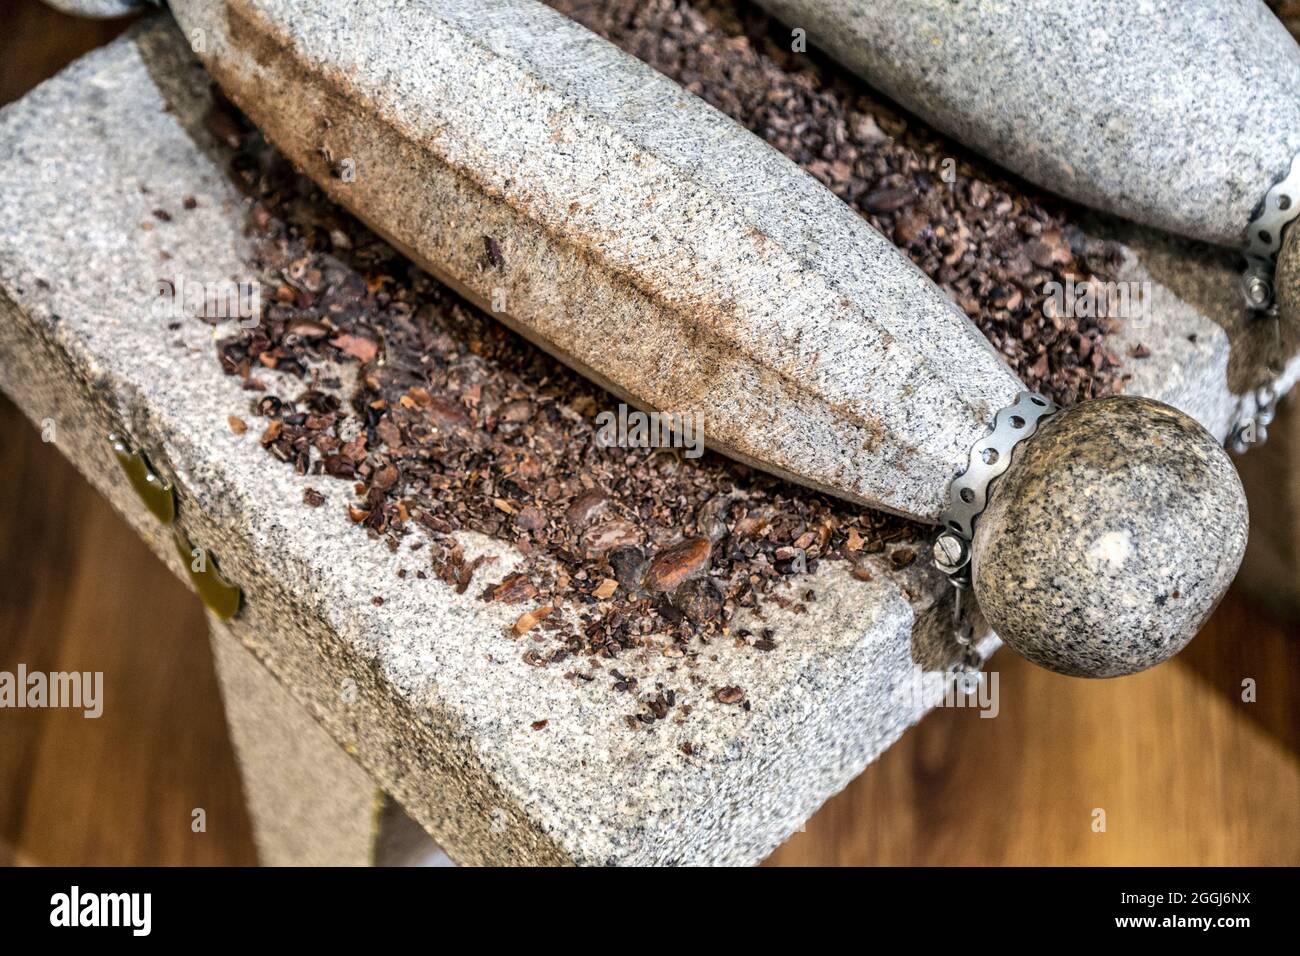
{"points": [[1182, 116]]}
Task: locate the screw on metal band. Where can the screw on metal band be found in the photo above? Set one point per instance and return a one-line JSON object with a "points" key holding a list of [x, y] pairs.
{"points": [[1264, 237]]}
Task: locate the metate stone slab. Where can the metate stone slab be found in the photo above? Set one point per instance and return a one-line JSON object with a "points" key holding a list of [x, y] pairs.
{"points": [[1187, 340], [1176, 115], [426, 691]]}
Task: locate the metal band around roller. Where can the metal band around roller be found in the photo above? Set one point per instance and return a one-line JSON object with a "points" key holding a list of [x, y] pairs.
{"points": [[1280, 207], [1264, 237], [968, 494]]}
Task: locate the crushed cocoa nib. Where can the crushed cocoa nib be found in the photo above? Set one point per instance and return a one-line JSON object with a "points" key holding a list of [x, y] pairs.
{"points": [[670, 567], [888, 200], [700, 600], [610, 536], [586, 508], [224, 122], [513, 589], [360, 348], [450, 565], [729, 695], [902, 557], [628, 565], [455, 424], [530, 619], [530, 518]]}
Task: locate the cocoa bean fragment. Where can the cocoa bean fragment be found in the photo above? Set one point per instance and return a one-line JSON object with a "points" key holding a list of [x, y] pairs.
{"points": [[672, 566]]}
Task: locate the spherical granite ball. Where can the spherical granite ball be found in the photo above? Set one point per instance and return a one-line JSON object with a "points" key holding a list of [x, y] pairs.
{"points": [[1110, 539]]}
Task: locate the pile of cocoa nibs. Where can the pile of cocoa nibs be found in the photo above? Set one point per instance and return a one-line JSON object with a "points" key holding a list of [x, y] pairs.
{"points": [[456, 424]]}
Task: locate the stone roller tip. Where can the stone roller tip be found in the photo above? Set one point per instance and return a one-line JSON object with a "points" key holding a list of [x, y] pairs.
{"points": [[1286, 283], [1110, 539]]}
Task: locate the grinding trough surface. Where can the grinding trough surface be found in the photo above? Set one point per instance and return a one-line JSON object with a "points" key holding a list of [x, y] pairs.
{"points": [[442, 709], [442, 706], [1106, 103]]}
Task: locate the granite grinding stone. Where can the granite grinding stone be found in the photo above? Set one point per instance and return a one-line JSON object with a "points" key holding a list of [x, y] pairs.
{"points": [[1111, 538], [1105, 103]]}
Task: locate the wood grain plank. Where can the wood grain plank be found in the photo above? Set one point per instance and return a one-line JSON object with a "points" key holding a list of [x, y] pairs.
{"points": [[1186, 771], [79, 591]]}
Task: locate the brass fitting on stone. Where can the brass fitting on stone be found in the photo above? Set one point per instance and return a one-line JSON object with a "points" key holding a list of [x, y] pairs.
{"points": [[159, 496]]}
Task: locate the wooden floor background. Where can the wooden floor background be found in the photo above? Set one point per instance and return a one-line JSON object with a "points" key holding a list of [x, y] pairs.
{"points": [[1185, 771]]}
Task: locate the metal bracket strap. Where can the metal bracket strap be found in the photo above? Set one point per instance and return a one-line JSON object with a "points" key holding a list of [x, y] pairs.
{"points": [[1264, 237], [968, 496], [1281, 205]]}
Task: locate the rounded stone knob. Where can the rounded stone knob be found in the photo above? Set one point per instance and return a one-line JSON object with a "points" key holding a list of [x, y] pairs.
{"points": [[1110, 539]]}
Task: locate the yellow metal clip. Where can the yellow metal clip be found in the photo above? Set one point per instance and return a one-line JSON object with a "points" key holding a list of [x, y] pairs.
{"points": [[221, 597], [154, 491]]}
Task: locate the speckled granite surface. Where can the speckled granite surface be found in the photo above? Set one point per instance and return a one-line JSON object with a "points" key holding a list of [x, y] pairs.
{"points": [[98, 8], [309, 803], [426, 690], [1111, 538], [1106, 103], [762, 302]]}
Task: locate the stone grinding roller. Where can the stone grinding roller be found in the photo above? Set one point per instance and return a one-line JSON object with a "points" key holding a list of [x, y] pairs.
{"points": [[655, 246], [1182, 116]]}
